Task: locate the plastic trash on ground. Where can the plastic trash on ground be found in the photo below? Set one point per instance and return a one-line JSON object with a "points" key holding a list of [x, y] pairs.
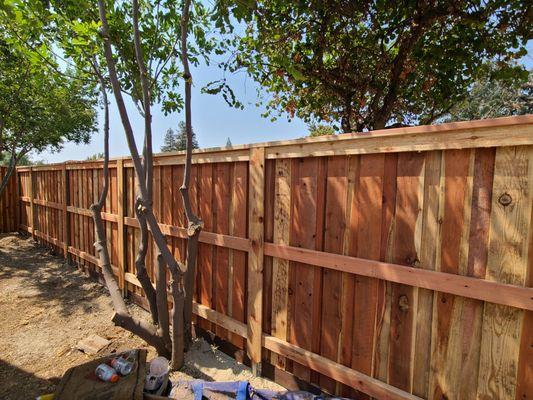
{"points": [[157, 376], [240, 390]]}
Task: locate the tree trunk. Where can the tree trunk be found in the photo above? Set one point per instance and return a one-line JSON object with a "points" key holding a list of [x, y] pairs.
{"points": [[178, 298], [122, 316], [162, 302], [140, 263], [194, 223], [9, 172]]}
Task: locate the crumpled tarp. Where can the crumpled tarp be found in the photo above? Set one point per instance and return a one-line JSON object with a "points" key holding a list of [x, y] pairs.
{"points": [[240, 390]]}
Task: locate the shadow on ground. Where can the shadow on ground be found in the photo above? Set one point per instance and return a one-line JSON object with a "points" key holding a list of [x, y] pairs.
{"points": [[11, 388], [63, 284]]}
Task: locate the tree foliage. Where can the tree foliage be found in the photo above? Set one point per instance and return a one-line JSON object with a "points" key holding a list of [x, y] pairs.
{"points": [[373, 64], [23, 161], [492, 98], [320, 130], [177, 141], [39, 108]]}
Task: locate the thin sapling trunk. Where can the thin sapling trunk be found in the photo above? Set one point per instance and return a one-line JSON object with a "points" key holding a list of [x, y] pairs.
{"points": [[9, 172], [122, 317], [194, 224]]}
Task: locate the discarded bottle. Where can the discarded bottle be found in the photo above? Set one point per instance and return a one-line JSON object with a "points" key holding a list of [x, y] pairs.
{"points": [[122, 366], [105, 373]]}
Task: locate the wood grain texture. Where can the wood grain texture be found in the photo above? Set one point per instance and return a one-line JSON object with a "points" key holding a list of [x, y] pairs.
{"points": [[447, 379], [205, 252], [429, 249], [301, 281], [381, 357], [407, 237], [336, 196], [255, 256], [222, 203], [280, 267], [239, 220], [507, 262], [348, 280]]}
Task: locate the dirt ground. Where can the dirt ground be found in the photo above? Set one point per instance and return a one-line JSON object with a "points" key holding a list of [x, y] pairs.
{"points": [[47, 307]]}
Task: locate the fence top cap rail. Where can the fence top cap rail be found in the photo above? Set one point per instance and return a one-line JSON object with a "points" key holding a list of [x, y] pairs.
{"points": [[439, 128], [410, 130]]}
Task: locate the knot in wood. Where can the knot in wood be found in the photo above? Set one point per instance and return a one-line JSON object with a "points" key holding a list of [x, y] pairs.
{"points": [[403, 303], [505, 199]]}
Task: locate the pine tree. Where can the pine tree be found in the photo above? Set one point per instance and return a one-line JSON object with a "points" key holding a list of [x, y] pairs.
{"points": [[170, 141], [177, 141], [181, 139]]}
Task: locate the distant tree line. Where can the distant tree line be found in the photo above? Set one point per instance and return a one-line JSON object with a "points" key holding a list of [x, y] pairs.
{"points": [[177, 141]]}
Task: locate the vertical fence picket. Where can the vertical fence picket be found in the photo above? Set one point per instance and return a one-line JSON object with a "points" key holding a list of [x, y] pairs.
{"points": [[120, 230], [255, 256]]}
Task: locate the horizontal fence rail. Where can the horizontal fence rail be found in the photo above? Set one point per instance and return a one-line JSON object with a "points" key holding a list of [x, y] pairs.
{"points": [[393, 264]]}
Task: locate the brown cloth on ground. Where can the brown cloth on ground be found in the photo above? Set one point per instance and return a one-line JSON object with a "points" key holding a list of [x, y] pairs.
{"points": [[80, 382]]}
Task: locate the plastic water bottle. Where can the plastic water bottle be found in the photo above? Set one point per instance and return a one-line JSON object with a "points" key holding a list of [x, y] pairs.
{"points": [[105, 373], [122, 366]]}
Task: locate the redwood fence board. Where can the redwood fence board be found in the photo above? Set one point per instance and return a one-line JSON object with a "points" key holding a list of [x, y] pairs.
{"points": [[394, 264]]}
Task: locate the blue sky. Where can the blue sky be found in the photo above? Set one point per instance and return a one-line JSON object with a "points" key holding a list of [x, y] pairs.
{"points": [[213, 120]]}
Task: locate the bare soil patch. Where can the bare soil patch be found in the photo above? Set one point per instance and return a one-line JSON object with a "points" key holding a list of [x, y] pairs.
{"points": [[48, 306]]}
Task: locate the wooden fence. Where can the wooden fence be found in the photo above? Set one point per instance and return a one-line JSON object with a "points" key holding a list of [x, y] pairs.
{"points": [[395, 264], [9, 205]]}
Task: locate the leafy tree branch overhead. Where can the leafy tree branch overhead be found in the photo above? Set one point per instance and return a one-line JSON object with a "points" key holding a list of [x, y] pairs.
{"points": [[39, 109], [368, 65]]}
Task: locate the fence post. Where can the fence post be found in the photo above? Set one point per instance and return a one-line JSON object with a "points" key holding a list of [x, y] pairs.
{"points": [[66, 223], [256, 189], [32, 206], [120, 229]]}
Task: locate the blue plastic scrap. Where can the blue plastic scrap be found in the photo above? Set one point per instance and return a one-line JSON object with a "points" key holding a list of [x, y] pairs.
{"points": [[242, 390]]}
